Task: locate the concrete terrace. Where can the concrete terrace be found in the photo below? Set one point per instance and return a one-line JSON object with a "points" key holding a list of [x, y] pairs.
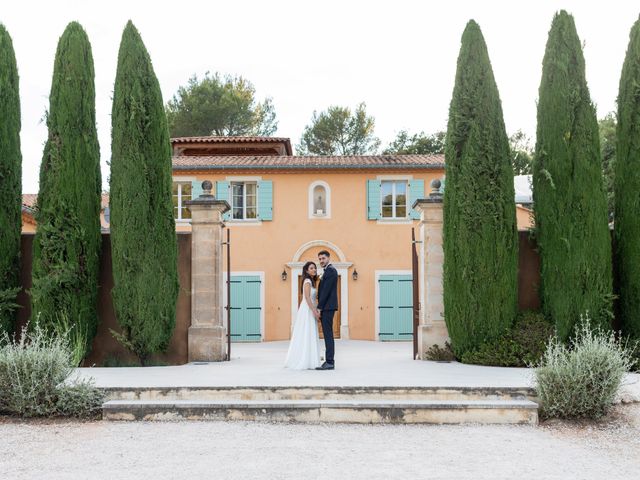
{"points": [[358, 363]]}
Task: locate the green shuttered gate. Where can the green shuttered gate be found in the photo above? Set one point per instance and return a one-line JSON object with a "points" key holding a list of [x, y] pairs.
{"points": [[396, 307], [245, 308]]}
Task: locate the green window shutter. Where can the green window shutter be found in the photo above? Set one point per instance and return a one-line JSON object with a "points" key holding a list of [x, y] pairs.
{"points": [[374, 210], [222, 193], [196, 189], [416, 191], [265, 200]]}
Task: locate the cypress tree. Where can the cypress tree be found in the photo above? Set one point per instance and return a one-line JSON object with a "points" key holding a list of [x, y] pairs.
{"points": [[143, 236], [67, 244], [627, 189], [569, 199], [480, 230], [10, 181]]}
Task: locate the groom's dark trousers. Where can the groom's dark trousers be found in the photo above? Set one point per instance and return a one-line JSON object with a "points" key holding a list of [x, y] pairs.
{"points": [[328, 304], [327, 331]]}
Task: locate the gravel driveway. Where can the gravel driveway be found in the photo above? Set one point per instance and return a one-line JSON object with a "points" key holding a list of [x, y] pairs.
{"points": [[227, 450]]}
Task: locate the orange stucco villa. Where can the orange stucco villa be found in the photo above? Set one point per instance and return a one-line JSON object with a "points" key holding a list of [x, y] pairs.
{"points": [[286, 208]]}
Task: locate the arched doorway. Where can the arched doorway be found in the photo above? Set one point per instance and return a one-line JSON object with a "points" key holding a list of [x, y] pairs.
{"points": [[309, 251]]}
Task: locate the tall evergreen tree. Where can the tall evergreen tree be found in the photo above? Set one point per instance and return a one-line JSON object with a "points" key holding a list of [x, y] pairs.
{"points": [[10, 182], [143, 233], [67, 243], [480, 231], [569, 200], [627, 189]]}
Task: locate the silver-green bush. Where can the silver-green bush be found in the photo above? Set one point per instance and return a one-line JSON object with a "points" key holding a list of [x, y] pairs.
{"points": [[580, 380], [35, 377]]}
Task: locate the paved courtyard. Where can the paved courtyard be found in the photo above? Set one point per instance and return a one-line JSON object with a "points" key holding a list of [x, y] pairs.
{"points": [[358, 363]]}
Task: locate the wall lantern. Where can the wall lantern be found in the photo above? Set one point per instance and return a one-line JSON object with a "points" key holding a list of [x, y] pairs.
{"points": [[354, 275], [284, 275]]}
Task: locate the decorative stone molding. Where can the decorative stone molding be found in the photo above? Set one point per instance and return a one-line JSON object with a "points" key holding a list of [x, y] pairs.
{"points": [[432, 328], [207, 337]]}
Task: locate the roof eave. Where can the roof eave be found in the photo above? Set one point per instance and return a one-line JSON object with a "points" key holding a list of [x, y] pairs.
{"points": [[309, 167]]}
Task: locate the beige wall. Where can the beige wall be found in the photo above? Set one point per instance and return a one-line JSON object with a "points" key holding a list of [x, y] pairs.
{"points": [[370, 245]]}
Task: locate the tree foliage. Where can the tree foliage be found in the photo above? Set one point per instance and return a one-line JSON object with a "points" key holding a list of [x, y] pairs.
{"points": [[338, 131], [569, 200], [607, 128], [416, 144], [143, 237], [627, 189], [480, 231], [66, 248], [10, 182], [521, 153], [219, 105]]}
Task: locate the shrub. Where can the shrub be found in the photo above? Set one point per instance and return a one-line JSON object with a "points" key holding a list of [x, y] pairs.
{"points": [[523, 346], [67, 243], [439, 354], [35, 377], [581, 380], [143, 232], [81, 399], [626, 183], [10, 184], [480, 231], [568, 191]]}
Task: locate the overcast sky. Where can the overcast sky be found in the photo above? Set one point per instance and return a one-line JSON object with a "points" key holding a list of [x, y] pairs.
{"points": [[397, 56]]}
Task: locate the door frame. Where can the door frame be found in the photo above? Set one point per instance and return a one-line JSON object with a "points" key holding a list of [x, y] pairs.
{"points": [[262, 298], [378, 274], [343, 271]]}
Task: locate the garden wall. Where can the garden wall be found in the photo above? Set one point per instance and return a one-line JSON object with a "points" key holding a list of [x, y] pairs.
{"points": [[105, 347]]}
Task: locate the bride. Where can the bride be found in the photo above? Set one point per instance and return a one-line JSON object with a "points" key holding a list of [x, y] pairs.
{"points": [[304, 352]]}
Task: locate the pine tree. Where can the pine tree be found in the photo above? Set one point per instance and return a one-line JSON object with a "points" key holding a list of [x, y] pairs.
{"points": [[480, 230], [143, 237], [10, 182], [568, 190], [627, 189], [67, 244]]}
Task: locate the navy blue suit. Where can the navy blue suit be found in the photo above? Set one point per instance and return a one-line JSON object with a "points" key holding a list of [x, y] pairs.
{"points": [[328, 304]]}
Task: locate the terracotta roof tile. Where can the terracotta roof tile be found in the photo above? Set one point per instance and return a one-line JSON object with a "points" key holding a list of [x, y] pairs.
{"points": [[220, 139], [29, 200], [292, 162]]}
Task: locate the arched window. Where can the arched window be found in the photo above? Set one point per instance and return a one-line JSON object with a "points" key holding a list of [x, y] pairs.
{"points": [[319, 200]]}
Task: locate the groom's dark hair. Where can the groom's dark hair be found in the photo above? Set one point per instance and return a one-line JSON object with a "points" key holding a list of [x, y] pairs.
{"points": [[324, 252]]}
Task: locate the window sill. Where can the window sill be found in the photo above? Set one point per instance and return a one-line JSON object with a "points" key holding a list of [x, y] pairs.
{"points": [[395, 221], [183, 222], [246, 223]]}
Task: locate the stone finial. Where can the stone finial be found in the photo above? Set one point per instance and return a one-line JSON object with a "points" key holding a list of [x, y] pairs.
{"points": [[436, 185], [206, 188]]}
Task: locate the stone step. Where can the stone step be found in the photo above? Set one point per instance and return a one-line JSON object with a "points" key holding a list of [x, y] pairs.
{"points": [[329, 411], [269, 393]]}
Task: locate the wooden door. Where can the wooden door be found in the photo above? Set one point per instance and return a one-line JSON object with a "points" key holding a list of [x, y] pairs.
{"points": [[336, 316], [245, 308], [396, 307]]}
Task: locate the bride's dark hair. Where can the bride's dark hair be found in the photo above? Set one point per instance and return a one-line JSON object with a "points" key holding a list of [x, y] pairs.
{"points": [[306, 274]]}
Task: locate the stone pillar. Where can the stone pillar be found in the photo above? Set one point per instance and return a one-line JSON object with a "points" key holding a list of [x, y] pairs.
{"points": [[207, 333], [432, 328]]}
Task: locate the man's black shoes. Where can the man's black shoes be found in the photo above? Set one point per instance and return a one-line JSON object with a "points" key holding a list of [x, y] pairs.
{"points": [[326, 366]]}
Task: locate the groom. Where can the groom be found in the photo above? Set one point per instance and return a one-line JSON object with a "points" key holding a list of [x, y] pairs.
{"points": [[327, 306]]}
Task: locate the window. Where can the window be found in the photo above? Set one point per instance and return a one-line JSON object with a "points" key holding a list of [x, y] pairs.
{"points": [[393, 194], [244, 200], [181, 193]]}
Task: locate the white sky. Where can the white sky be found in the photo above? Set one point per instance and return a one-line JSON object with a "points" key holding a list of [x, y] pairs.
{"points": [[398, 56]]}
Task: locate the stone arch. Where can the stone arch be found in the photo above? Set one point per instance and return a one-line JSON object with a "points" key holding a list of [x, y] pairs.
{"points": [[319, 243]]}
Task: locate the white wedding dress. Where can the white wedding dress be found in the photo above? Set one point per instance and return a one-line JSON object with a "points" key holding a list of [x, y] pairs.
{"points": [[304, 352]]}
